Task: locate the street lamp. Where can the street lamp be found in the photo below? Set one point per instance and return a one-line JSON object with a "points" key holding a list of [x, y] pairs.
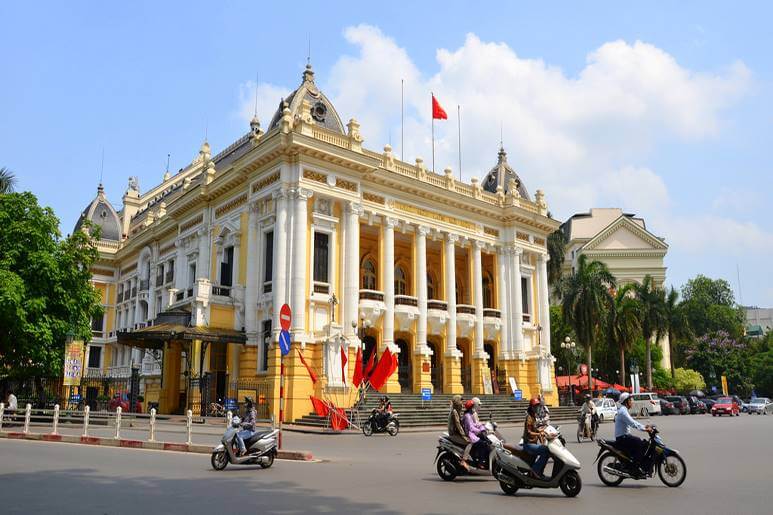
{"points": [[571, 348]]}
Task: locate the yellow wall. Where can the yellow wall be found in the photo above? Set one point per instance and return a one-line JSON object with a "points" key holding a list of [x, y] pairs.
{"points": [[221, 316], [244, 247]]}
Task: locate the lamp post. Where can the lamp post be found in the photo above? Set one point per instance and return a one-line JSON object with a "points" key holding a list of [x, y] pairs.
{"points": [[571, 348]]}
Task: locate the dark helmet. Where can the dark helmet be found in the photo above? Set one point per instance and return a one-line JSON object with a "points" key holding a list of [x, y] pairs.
{"points": [[587, 397], [386, 398], [249, 400]]}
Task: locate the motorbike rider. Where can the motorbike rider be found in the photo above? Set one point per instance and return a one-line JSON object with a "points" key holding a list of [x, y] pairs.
{"points": [[542, 413], [474, 429], [632, 445], [589, 407], [534, 438], [383, 411], [456, 432], [248, 425]]}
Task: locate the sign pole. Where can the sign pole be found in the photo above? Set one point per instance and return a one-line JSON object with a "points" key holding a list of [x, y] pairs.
{"points": [[281, 395], [285, 317]]}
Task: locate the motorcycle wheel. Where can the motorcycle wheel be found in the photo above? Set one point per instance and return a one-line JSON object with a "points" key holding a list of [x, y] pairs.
{"points": [[446, 468], [219, 460], [608, 459], [579, 435], [571, 484], [267, 461], [672, 470], [392, 429], [507, 488], [367, 428]]}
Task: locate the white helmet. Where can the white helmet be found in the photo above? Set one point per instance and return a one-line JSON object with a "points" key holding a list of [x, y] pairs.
{"points": [[476, 401], [235, 421], [624, 397]]}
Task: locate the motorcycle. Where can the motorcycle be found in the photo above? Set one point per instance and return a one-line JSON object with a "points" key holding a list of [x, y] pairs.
{"points": [[614, 465], [261, 448], [585, 427], [216, 409], [391, 424], [514, 467], [449, 455]]}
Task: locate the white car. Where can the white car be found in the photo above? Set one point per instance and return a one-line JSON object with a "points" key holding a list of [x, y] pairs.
{"points": [[606, 409], [760, 405], [645, 404]]}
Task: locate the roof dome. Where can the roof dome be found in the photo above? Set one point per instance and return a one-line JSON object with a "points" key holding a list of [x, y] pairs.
{"points": [[322, 111], [501, 174], [101, 213]]}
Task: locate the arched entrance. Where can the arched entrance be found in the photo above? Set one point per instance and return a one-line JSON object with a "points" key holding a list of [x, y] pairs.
{"points": [[464, 345], [436, 367], [368, 347], [490, 348], [404, 366]]}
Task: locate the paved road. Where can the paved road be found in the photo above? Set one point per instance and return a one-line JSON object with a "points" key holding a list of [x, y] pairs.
{"points": [[728, 472]]}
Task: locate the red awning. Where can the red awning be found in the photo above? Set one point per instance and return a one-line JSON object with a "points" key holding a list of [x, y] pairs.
{"points": [[580, 382]]}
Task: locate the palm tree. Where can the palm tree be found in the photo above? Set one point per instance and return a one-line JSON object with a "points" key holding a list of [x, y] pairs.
{"points": [[557, 251], [653, 319], [585, 299], [676, 322], [623, 323], [7, 180]]}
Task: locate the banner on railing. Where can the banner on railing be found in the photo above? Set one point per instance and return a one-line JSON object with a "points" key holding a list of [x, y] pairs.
{"points": [[73, 363]]}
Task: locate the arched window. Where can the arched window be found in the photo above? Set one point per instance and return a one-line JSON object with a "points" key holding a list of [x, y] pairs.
{"points": [[368, 275], [401, 287], [488, 296], [431, 287]]}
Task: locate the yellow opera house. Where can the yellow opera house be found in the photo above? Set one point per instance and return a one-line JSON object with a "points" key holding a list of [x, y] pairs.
{"points": [[368, 251]]}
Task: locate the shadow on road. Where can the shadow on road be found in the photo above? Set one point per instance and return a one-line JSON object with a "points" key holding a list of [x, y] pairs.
{"points": [[85, 491]]}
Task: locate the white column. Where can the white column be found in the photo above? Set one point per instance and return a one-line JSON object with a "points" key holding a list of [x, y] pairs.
{"points": [[504, 313], [279, 273], [202, 264], [389, 284], [298, 259], [450, 287], [544, 304], [352, 272], [516, 325], [251, 288], [477, 280], [421, 273], [179, 264]]}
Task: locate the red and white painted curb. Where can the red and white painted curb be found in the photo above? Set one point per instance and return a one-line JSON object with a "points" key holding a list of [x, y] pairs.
{"points": [[138, 444]]}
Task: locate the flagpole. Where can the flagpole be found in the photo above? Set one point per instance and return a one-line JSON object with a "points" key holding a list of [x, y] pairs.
{"points": [[459, 126], [433, 135]]}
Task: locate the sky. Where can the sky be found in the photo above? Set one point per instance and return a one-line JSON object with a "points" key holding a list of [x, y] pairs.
{"points": [[663, 109]]}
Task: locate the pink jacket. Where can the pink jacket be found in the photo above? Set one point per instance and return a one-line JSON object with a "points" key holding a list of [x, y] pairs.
{"points": [[473, 428]]}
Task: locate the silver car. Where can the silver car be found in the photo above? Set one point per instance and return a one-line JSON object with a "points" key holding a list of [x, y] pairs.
{"points": [[760, 405]]}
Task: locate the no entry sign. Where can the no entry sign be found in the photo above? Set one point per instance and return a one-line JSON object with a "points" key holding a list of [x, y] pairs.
{"points": [[285, 317]]}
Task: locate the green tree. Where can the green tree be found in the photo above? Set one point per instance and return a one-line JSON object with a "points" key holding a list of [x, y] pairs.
{"points": [[661, 379], [686, 380], [709, 306], [585, 298], [677, 326], [653, 317], [557, 250], [45, 287], [7, 180], [718, 354], [623, 324]]}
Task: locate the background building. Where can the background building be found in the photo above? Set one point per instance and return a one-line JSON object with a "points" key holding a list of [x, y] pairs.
{"points": [[367, 250], [622, 242]]}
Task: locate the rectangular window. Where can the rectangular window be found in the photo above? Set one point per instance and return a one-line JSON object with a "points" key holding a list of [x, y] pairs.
{"points": [[266, 345], [97, 324], [268, 273], [191, 274], [169, 271], [525, 298], [227, 267], [321, 242], [95, 356]]}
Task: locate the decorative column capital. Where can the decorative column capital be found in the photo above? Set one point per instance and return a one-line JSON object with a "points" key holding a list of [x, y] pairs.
{"points": [[543, 258], [422, 230], [518, 251], [452, 238], [303, 194], [281, 193], [478, 245], [354, 208], [391, 222]]}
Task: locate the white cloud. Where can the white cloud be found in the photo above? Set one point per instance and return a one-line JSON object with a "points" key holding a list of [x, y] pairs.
{"points": [[581, 138], [269, 96]]}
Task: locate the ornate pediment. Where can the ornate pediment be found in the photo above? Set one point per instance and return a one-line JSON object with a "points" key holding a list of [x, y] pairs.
{"points": [[624, 234]]}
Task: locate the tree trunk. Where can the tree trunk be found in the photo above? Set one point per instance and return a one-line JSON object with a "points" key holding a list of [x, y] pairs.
{"points": [[671, 356], [622, 365], [649, 363], [590, 370]]}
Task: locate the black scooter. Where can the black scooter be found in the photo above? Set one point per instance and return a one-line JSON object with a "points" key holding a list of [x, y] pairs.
{"points": [[381, 423], [615, 465]]}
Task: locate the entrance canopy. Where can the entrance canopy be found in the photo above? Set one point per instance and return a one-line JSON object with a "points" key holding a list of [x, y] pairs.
{"points": [[175, 325]]}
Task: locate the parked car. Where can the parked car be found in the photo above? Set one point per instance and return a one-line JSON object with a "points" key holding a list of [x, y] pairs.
{"points": [[696, 406], [606, 409], [680, 403], [668, 408], [760, 406], [726, 406], [709, 403], [646, 404]]}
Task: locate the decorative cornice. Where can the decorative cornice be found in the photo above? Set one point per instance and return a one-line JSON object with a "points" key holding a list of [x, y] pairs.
{"points": [[268, 180], [491, 231], [346, 185], [372, 197], [191, 223], [407, 208], [231, 205]]}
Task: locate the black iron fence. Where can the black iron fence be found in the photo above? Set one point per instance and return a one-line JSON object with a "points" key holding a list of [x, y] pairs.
{"points": [[214, 392]]}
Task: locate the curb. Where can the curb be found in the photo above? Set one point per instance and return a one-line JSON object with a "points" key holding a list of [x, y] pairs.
{"points": [[138, 444]]}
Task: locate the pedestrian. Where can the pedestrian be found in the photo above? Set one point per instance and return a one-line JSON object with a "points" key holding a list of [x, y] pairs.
{"points": [[13, 402]]}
